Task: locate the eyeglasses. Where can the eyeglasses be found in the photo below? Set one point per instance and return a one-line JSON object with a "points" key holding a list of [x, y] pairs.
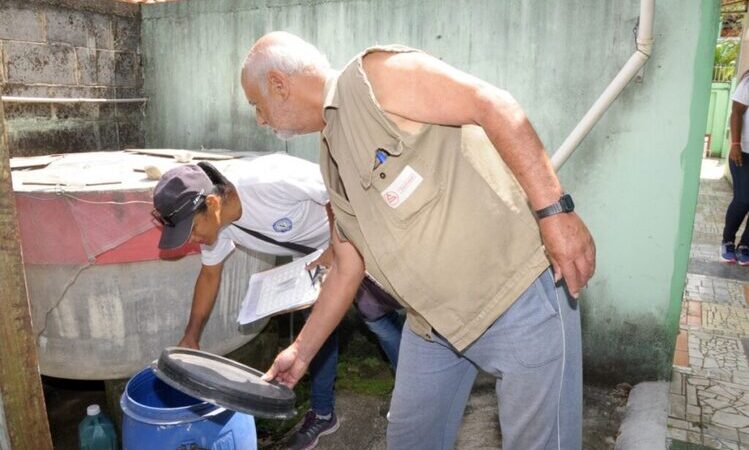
{"points": [[168, 219]]}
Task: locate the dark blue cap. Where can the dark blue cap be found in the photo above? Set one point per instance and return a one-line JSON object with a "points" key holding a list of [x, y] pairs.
{"points": [[177, 195]]}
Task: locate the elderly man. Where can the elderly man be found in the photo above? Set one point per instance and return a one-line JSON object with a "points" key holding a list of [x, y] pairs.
{"points": [[443, 191]]}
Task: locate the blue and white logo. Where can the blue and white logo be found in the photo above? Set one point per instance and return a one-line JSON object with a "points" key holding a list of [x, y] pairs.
{"points": [[283, 225]]}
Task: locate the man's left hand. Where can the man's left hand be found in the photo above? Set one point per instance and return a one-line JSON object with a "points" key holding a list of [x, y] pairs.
{"points": [[570, 248]]}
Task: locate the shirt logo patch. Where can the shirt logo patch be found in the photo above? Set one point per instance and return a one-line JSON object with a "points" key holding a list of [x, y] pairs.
{"points": [[391, 198], [283, 225], [402, 188]]}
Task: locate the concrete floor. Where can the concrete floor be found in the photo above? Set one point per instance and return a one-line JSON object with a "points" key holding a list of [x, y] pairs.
{"points": [[709, 395]]}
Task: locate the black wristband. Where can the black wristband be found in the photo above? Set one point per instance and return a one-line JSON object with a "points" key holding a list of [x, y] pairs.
{"points": [[563, 205]]}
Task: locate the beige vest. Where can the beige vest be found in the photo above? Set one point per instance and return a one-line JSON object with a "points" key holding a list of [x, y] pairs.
{"points": [[442, 224]]}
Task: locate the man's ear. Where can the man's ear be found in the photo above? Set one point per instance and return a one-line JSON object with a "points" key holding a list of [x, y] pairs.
{"points": [[212, 202], [278, 84]]}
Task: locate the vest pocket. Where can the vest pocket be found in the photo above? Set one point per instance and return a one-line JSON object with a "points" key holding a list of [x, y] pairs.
{"points": [[405, 188]]}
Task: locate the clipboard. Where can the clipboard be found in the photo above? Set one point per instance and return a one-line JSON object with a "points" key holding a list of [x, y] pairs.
{"points": [[286, 288]]}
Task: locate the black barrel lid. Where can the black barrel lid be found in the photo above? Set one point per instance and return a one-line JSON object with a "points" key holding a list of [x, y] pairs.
{"points": [[224, 382]]}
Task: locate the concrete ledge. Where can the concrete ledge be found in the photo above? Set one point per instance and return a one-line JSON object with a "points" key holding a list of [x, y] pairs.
{"points": [[644, 426], [104, 7]]}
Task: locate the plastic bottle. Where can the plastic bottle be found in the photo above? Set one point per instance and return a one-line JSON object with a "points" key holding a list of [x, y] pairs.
{"points": [[96, 432]]}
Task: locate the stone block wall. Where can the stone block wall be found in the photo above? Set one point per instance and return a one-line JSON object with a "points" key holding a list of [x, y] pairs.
{"points": [[71, 48]]}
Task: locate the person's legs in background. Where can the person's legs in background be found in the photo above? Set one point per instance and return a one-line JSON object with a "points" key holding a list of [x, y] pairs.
{"points": [[322, 372], [735, 214], [388, 330], [321, 418], [380, 313]]}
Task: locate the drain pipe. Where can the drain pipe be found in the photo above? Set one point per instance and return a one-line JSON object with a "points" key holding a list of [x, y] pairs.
{"points": [[621, 80]]}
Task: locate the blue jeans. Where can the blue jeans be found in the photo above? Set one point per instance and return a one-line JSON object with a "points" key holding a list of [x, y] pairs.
{"points": [[323, 366], [534, 351], [322, 372], [388, 331], [739, 206]]}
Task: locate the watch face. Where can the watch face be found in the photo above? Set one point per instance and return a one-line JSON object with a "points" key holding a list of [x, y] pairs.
{"points": [[567, 204]]}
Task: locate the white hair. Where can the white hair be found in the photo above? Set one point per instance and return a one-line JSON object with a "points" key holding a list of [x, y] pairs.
{"points": [[288, 58]]}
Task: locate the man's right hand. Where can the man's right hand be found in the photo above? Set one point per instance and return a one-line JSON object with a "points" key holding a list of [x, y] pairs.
{"points": [[188, 341], [735, 154], [570, 248]]}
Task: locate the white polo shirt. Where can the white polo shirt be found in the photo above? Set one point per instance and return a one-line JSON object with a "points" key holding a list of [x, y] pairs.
{"points": [[741, 95], [282, 197]]}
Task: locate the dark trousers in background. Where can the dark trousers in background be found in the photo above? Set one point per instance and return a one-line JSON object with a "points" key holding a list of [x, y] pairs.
{"points": [[739, 206]]}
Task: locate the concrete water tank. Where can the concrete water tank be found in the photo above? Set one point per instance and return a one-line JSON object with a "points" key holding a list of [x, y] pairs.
{"points": [[104, 300]]}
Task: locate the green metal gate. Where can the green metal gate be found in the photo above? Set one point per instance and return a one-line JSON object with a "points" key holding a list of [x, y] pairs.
{"points": [[717, 119]]}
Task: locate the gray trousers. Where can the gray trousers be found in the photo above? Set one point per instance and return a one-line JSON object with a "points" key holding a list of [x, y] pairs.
{"points": [[533, 350]]}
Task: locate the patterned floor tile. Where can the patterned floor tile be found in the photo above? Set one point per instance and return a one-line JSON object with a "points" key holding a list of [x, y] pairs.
{"points": [[709, 398]]}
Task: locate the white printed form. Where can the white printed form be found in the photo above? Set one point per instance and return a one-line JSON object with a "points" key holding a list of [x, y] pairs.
{"points": [[402, 188], [284, 288]]}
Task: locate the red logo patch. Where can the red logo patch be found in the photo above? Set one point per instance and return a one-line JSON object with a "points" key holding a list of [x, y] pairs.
{"points": [[391, 198]]}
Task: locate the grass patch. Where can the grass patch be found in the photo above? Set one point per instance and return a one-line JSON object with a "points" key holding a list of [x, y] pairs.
{"points": [[680, 445], [369, 376]]}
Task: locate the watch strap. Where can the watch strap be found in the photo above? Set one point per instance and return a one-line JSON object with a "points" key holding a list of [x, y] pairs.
{"points": [[554, 208], [563, 205]]}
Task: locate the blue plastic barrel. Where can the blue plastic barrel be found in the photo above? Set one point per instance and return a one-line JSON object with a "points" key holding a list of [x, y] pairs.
{"points": [[159, 417]]}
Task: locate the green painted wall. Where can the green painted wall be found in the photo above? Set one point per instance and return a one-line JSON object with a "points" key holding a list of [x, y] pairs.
{"points": [[634, 178]]}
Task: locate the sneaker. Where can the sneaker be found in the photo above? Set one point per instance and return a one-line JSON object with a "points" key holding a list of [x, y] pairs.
{"points": [[728, 252], [742, 255], [313, 427]]}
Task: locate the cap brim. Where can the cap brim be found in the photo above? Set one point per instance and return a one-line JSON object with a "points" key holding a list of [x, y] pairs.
{"points": [[176, 236]]}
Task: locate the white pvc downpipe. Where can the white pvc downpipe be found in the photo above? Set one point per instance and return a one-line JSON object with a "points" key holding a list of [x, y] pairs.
{"points": [[617, 85], [11, 99]]}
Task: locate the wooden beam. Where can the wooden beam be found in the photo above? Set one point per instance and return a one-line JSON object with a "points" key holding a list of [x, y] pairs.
{"points": [[23, 417]]}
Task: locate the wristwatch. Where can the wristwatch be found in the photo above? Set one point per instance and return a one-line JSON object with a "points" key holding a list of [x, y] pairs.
{"points": [[564, 205]]}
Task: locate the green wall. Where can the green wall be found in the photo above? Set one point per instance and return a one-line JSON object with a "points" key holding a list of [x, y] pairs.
{"points": [[634, 178]]}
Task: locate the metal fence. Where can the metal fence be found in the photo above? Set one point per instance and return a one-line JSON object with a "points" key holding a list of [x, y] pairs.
{"points": [[723, 74]]}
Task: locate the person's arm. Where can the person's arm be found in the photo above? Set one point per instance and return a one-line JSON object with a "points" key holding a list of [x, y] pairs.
{"points": [[336, 295], [204, 297], [416, 88], [326, 258], [737, 124]]}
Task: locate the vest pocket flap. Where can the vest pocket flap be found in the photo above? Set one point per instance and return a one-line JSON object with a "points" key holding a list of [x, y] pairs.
{"points": [[405, 186], [377, 157]]}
